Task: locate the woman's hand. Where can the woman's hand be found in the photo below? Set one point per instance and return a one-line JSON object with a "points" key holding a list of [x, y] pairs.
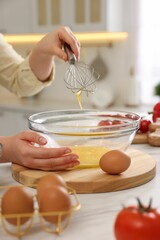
{"points": [[52, 43], [41, 57], [21, 149]]}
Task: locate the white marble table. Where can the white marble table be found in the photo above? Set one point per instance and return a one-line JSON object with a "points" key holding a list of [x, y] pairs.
{"points": [[95, 219]]}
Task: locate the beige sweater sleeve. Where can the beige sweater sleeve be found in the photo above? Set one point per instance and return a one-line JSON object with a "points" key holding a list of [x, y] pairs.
{"points": [[15, 72]]}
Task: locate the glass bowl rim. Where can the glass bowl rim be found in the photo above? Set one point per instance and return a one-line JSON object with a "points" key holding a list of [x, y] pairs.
{"points": [[134, 123]]}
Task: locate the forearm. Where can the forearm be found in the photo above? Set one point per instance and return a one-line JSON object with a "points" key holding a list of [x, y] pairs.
{"points": [[41, 65], [16, 74], [42, 55]]}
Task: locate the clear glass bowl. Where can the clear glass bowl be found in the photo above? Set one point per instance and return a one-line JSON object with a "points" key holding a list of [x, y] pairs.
{"points": [[90, 133]]}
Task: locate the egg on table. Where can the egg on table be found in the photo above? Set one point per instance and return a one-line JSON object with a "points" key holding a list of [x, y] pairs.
{"points": [[55, 200], [17, 200], [115, 162], [49, 181]]}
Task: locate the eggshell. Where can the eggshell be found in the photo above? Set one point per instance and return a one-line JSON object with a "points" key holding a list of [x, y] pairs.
{"points": [[48, 181], [115, 162], [55, 199], [17, 200]]}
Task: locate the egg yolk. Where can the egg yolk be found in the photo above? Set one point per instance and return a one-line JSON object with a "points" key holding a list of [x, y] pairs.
{"points": [[89, 155]]}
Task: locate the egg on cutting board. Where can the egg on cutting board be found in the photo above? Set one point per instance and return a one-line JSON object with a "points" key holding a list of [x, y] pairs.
{"points": [[115, 162]]}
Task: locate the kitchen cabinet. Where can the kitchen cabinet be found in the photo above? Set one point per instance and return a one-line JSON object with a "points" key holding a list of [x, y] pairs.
{"points": [[80, 15], [15, 16], [13, 121], [40, 16]]}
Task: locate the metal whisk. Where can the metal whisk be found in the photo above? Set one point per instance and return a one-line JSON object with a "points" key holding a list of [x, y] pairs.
{"points": [[79, 77]]}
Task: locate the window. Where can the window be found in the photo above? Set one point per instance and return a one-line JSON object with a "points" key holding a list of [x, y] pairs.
{"points": [[149, 48]]}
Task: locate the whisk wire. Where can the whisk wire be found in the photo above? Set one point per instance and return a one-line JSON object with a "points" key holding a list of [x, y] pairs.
{"points": [[80, 76]]}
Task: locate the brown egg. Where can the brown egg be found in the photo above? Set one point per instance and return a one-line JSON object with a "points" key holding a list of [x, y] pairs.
{"points": [[48, 181], [55, 199], [115, 162], [17, 200]]}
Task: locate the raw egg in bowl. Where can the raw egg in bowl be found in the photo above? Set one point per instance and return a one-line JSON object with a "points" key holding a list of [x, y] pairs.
{"points": [[89, 133]]}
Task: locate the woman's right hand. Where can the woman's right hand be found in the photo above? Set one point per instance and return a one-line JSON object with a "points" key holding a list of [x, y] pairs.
{"points": [[51, 45], [21, 149]]}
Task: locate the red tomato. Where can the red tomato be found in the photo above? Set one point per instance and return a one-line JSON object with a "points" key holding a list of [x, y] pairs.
{"points": [[157, 107], [138, 223], [130, 116], [105, 123], [144, 125], [156, 112]]}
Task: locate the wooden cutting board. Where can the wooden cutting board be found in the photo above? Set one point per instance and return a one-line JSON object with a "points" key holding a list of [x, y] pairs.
{"points": [[94, 180], [140, 138]]}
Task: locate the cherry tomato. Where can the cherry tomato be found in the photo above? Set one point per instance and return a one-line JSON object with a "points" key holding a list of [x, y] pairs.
{"points": [[109, 122], [156, 112], [144, 125], [105, 123], [138, 223], [130, 116], [157, 107]]}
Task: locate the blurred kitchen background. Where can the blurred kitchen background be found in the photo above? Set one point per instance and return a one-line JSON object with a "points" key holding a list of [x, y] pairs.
{"points": [[127, 54]]}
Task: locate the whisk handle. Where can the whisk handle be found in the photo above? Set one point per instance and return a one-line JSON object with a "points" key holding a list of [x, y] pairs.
{"points": [[70, 54]]}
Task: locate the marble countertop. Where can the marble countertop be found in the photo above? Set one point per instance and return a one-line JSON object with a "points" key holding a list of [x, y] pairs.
{"points": [[95, 219]]}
